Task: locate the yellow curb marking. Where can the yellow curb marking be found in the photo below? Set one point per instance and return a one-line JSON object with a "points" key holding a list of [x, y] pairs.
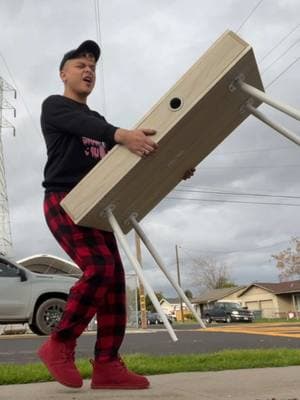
{"points": [[287, 330]]}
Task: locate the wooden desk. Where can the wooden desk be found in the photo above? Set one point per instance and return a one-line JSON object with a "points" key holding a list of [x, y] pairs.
{"points": [[193, 117]]}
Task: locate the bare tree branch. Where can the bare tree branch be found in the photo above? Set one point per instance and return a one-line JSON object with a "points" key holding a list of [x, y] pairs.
{"points": [[208, 273], [288, 261]]}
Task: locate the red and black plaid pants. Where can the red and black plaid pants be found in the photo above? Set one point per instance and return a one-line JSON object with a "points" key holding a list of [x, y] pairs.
{"points": [[101, 288]]}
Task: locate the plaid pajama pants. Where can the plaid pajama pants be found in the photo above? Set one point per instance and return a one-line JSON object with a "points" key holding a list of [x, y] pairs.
{"points": [[101, 288]]}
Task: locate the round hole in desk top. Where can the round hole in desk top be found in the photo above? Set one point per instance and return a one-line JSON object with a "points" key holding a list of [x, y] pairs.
{"points": [[175, 104]]}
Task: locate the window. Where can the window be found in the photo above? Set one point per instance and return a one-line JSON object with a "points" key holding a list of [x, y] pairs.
{"points": [[8, 270], [297, 301]]}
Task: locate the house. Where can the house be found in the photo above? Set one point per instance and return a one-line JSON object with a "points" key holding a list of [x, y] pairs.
{"points": [[210, 297], [266, 300], [272, 300], [172, 307]]}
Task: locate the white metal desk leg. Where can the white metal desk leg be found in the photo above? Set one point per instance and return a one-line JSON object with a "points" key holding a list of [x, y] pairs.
{"points": [[262, 96], [161, 265], [134, 262], [279, 128]]}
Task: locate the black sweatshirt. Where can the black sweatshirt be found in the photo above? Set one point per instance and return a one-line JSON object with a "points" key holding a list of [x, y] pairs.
{"points": [[76, 139]]}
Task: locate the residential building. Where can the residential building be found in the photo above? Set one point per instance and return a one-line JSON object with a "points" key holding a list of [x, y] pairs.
{"points": [[273, 300]]}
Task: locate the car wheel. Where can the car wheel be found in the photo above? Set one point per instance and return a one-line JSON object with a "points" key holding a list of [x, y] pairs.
{"points": [[228, 319], [35, 329], [48, 315], [208, 320]]}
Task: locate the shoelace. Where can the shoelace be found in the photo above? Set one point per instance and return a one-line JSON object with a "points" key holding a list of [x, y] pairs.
{"points": [[119, 363], [67, 354]]}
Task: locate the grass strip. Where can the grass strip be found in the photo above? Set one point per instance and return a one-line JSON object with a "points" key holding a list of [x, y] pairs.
{"points": [[155, 365]]}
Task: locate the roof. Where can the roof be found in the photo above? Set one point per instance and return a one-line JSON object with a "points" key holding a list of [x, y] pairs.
{"points": [[276, 288], [173, 300], [216, 294], [48, 264]]}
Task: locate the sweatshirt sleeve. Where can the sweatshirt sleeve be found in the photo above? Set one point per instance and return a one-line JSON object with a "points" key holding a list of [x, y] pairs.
{"points": [[63, 116]]}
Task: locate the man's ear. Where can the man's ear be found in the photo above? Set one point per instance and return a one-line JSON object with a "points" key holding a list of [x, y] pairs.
{"points": [[62, 75]]}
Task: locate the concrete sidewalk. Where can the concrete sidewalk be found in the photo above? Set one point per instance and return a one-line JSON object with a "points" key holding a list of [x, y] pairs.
{"points": [[247, 384]]}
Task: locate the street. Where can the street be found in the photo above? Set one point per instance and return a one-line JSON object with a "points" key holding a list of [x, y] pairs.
{"points": [[156, 341]]}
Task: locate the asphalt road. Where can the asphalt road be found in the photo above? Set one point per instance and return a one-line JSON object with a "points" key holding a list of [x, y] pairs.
{"points": [[153, 341]]}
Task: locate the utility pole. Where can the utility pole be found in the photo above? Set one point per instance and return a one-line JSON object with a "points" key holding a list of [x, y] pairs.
{"points": [[179, 282], [142, 298], [5, 230]]}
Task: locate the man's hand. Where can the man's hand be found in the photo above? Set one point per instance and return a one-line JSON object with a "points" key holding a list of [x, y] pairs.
{"points": [[137, 140], [189, 173]]}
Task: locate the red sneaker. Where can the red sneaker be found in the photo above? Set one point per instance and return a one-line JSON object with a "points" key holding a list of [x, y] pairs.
{"points": [[59, 359], [115, 375]]}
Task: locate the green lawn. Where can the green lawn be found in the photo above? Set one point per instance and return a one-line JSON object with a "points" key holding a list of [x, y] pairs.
{"points": [[150, 365]]}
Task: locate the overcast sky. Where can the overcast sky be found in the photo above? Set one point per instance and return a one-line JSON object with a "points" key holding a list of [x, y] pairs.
{"points": [[146, 46]]}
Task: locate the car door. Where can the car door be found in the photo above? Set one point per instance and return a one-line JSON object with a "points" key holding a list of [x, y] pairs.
{"points": [[220, 311], [15, 293]]}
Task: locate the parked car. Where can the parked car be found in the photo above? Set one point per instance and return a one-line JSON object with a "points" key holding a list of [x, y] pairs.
{"points": [[228, 312], [154, 318], [33, 298]]}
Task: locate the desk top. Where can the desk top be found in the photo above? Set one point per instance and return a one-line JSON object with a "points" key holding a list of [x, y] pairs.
{"points": [[191, 119]]}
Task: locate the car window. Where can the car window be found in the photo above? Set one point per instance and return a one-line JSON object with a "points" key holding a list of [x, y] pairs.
{"points": [[8, 270], [236, 305], [220, 306], [233, 306]]}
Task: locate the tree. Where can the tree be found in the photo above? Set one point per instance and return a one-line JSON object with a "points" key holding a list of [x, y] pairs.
{"points": [[288, 261], [188, 294], [209, 273], [149, 305]]}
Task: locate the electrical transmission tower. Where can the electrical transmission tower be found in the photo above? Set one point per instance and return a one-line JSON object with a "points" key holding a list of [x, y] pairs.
{"points": [[5, 231]]}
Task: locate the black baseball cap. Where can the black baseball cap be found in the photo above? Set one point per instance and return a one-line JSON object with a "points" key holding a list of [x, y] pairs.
{"points": [[88, 46]]}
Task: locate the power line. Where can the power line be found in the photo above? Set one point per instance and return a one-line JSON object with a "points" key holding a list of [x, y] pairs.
{"points": [[250, 14], [99, 40], [254, 151], [205, 187], [283, 54], [239, 251], [232, 201], [97, 20], [283, 72], [279, 43], [236, 193], [253, 166]]}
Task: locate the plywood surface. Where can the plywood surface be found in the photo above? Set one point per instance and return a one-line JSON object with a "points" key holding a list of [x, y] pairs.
{"points": [[209, 112]]}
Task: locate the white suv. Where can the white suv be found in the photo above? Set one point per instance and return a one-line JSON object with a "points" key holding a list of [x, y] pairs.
{"points": [[29, 297]]}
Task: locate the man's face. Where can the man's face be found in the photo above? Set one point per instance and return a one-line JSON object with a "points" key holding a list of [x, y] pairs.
{"points": [[78, 74]]}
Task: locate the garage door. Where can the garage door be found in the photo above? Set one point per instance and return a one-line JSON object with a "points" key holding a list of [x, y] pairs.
{"points": [[267, 308], [252, 305]]}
